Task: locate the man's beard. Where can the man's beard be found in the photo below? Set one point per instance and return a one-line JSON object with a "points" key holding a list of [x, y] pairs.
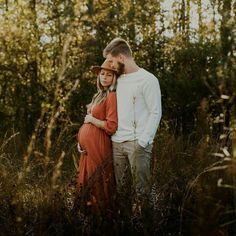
{"points": [[120, 68]]}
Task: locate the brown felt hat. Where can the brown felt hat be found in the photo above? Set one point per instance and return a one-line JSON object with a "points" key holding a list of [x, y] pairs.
{"points": [[106, 65]]}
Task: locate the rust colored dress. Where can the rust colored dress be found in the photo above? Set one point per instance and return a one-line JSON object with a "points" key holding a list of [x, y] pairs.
{"points": [[95, 180]]}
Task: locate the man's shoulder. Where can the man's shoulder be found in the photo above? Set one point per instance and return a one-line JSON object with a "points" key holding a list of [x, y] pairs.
{"points": [[147, 75]]}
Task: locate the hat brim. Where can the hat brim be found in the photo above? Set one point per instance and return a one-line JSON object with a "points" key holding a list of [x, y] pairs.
{"points": [[96, 69]]}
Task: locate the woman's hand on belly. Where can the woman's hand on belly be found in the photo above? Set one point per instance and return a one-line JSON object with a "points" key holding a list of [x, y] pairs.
{"points": [[81, 151], [98, 123]]}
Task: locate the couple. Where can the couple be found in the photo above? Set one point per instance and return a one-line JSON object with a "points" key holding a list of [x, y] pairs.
{"points": [[116, 138]]}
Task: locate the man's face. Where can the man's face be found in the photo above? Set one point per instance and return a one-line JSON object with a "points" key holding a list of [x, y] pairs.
{"points": [[117, 63]]}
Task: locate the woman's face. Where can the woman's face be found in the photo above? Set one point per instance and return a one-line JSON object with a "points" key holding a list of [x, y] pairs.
{"points": [[106, 77]]}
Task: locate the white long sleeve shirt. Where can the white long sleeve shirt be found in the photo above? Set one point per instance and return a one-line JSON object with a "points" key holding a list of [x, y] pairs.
{"points": [[139, 107]]}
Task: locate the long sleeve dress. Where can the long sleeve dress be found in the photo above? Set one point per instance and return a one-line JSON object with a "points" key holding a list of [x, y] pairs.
{"points": [[95, 180]]}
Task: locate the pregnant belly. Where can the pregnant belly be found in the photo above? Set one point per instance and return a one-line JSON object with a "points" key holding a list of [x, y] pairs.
{"points": [[90, 135], [95, 141], [86, 133]]}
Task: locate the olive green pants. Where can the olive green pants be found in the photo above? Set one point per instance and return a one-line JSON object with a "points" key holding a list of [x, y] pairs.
{"points": [[132, 171]]}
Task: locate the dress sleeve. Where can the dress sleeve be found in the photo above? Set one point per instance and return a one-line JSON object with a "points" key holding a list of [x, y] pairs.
{"points": [[111, 121]]}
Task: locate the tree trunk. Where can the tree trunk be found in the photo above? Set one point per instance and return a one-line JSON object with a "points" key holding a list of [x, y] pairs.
{"points": [[182, 17], [225, 29], [187, 19], [200, 24]]}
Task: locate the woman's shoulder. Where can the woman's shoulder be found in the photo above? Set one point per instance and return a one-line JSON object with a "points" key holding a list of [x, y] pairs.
{"points": [[112, 93], [111, 96]]}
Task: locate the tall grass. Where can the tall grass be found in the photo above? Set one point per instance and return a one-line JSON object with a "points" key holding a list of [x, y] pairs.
{"points": [[191, 191]]}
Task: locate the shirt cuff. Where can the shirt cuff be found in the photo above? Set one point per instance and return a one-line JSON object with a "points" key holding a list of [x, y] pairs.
{"points": [[142, 143]]}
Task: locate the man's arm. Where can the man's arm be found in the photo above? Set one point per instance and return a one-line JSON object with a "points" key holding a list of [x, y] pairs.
{"points": [[152, 96]]}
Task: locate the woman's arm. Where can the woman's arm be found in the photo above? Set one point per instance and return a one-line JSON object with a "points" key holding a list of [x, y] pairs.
{"points": [[110, 123], [98, 123]]}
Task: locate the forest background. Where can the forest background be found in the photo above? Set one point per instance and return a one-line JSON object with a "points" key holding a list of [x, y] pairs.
{"points": [[46, 50]]}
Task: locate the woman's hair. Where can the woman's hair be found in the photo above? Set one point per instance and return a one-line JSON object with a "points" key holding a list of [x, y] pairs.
{"points": [[101, 92], [118, 46]]}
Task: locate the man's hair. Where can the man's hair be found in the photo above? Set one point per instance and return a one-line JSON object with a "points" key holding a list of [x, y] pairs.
{"points": [[118, 46]]}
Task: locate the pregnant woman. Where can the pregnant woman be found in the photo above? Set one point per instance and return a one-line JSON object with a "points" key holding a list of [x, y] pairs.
{"points": [[95, 180]]}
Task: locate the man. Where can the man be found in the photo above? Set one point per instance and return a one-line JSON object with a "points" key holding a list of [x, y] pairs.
{"points": [[139, 114]]}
